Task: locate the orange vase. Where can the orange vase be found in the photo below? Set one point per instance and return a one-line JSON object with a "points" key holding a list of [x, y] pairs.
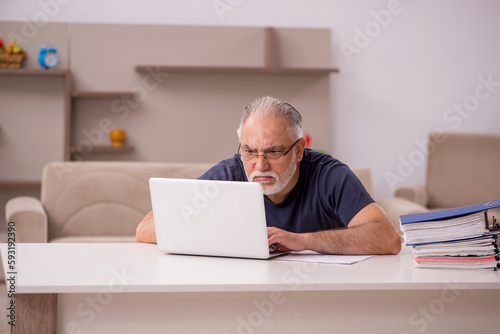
{"points": [[117, 137]]}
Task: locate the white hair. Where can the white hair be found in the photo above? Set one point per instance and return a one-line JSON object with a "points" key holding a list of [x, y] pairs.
{"points": [[270, 106]]}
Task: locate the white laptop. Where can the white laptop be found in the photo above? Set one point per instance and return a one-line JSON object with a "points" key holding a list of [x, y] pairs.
{"points": [[214, 218]]}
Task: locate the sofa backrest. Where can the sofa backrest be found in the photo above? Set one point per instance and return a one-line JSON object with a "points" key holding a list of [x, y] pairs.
{"points": [[463, 169], [103, 198]]}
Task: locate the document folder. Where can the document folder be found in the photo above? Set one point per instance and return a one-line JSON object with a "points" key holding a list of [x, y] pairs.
{"points": [[458, 238], [491, 221]]}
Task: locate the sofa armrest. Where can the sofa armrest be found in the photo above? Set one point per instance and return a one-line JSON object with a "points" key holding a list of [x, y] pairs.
{"points": [[414, 193], [397, 206], [29, 218]]}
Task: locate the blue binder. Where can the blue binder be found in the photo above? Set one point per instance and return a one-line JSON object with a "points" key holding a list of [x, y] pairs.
{"points": [[450, 213]]}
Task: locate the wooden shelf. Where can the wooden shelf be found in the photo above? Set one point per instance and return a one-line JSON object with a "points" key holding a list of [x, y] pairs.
{"points": [[271, 65], [33, 71], [20, 185], [236, 70], [102, 95], [101, 149]]}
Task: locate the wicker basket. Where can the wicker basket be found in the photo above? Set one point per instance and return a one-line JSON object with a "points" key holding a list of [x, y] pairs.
{"points": [[11, 61]]}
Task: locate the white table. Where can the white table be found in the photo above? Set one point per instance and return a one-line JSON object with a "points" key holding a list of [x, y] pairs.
{"points": [[133, 288]]}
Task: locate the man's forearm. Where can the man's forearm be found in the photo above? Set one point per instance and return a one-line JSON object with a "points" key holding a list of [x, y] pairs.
{"points": [[367, 238]]}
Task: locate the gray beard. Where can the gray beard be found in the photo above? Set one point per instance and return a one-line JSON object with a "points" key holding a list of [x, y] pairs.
{"points": [[280, 183]]}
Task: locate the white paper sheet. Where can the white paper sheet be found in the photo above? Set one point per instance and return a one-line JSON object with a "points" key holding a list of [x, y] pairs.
{"points": [[311, 256]]}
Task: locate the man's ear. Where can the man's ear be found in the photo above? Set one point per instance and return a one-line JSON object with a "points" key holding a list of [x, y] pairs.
{"points": [[301, 145]]}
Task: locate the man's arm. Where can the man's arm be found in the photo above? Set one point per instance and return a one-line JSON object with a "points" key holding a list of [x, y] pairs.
{"points": [[369, 232], [145, 231]]}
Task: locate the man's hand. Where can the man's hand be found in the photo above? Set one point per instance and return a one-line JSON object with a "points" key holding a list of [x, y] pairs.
{"points": [[145, 231], [284, 241]]}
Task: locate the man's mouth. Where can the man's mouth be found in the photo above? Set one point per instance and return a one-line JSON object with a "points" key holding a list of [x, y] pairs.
{"points": [[263, 179]]}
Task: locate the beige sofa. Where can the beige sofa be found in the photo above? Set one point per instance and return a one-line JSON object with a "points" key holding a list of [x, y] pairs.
{"points": [[91, 201], [98, 201]]}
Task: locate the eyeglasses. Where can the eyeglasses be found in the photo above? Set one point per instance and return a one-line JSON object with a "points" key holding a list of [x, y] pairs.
{"points": [[249, 155]]}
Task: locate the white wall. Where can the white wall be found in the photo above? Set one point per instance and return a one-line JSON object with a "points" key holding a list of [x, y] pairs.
{"points": [[393, 87]]}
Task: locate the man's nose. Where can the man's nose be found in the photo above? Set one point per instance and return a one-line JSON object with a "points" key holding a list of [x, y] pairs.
{"points": [[262, 163]]}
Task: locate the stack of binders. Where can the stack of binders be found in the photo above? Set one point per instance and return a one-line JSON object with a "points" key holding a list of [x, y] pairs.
{"points": [[459, 238]]}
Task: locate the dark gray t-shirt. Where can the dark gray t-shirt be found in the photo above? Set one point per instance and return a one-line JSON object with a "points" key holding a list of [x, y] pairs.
{"points": [[327, 195]]}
